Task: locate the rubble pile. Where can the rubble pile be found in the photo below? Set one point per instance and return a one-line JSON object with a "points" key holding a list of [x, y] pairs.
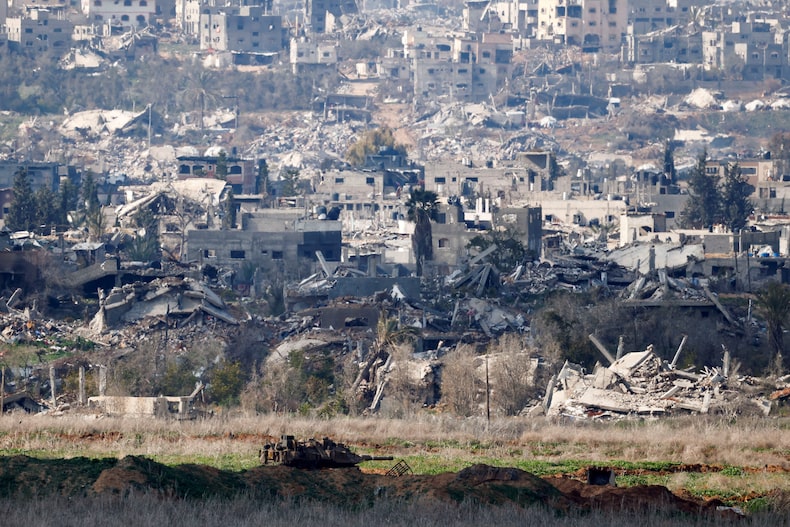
{"points": [[659, 286], [184, 298], [641, 384]]}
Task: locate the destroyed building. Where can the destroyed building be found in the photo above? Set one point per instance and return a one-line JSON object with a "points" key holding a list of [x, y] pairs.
{"points": [[123, 14], [594, 25], [322, 16], [341, 107], [240, 173], [505, 181], [365, 193], [307, 54], [39, 30], [672, 44], [640, 384], [273, 239], [39, 174], [242, 30]]}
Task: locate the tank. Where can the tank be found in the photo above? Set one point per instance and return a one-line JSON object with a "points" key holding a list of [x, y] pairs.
{"points": [[313, 454]]}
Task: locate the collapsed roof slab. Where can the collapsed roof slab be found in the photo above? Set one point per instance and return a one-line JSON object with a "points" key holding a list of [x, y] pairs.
{"points": [[665, 256]]}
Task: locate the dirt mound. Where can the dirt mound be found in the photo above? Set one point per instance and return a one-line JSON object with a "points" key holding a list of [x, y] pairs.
{"points": [[21, 476], [639, 498]]}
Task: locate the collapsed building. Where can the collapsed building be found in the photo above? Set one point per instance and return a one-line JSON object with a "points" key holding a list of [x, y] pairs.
{"points": [[641, 384]]}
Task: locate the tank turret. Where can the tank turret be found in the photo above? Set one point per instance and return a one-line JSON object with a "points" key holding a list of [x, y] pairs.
{"points": [[313, 454]]}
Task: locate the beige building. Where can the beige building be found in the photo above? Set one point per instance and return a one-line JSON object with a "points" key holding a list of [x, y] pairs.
{"points": [[753, 49], [246, 29], [516, 16], [462, 68], [594, 25], [309, 54], [41, 30]]}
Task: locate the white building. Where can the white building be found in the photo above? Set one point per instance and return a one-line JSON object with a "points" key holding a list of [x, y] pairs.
{"points": [[124, 13], [592, 24]]}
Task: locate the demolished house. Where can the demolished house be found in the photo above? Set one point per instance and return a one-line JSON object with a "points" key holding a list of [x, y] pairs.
{"points": [[168, 299], [178, 407], [640, 384]]}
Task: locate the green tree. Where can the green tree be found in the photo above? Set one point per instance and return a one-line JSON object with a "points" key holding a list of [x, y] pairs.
{"points": [[262, 178], [780, 152], [422, 206], [201, 90], [291, 184], [735, 203], [229, 206], [68, 200], [145, 244], [371, 143], [95, 221], [702, 209], [22, 212], [222, 166], [773, 304], [510, 252], [179, 378], [47, 210], [89, 196], [669, 162], [227, 381]]}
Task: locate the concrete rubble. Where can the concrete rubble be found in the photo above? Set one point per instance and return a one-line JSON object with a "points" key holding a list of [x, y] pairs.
{"points": [[185, 300], [640, 384]]}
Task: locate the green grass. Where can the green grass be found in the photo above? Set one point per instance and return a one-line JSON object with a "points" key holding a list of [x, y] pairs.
{"points": [[230, 461]]}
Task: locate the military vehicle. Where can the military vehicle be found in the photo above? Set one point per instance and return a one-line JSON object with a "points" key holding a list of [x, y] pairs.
{"points": [[313, 454]]}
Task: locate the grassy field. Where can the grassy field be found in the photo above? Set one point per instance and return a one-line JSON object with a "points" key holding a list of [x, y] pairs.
{"points": [[744, 463], [702, 456]]}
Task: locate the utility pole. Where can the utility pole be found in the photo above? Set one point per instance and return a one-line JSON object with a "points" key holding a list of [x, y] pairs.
{"points": [[488, 397]]}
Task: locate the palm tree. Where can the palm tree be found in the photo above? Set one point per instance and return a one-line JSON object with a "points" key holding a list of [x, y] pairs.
{"points": [[773, 303], [422, 206], [200, 91]]}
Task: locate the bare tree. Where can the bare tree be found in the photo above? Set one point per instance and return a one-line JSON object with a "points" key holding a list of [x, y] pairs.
{"points": [[461, 387]]}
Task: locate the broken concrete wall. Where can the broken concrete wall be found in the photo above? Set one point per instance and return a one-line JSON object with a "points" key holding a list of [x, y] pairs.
{"points": [[264, 248], [142, 406], [361, 286]]}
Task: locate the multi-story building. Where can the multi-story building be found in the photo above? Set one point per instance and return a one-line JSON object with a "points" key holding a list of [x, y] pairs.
{"points": [[517, 16], [124, 13], [309, 54], [321, 14], [246, 29], [592, 24], [188, 15], [241, 173], [40, 30], [464, 68], [506, 182], [647, 16], [671, 44], [753, 49], [274, 239], [755, 171]]}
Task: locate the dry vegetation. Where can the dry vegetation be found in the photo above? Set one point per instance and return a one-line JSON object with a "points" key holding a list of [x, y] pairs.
{"points": [[744, 443], [744, 463]]}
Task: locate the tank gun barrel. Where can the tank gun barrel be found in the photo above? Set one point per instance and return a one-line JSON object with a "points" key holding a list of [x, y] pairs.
{"points": [[377, 458]]}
